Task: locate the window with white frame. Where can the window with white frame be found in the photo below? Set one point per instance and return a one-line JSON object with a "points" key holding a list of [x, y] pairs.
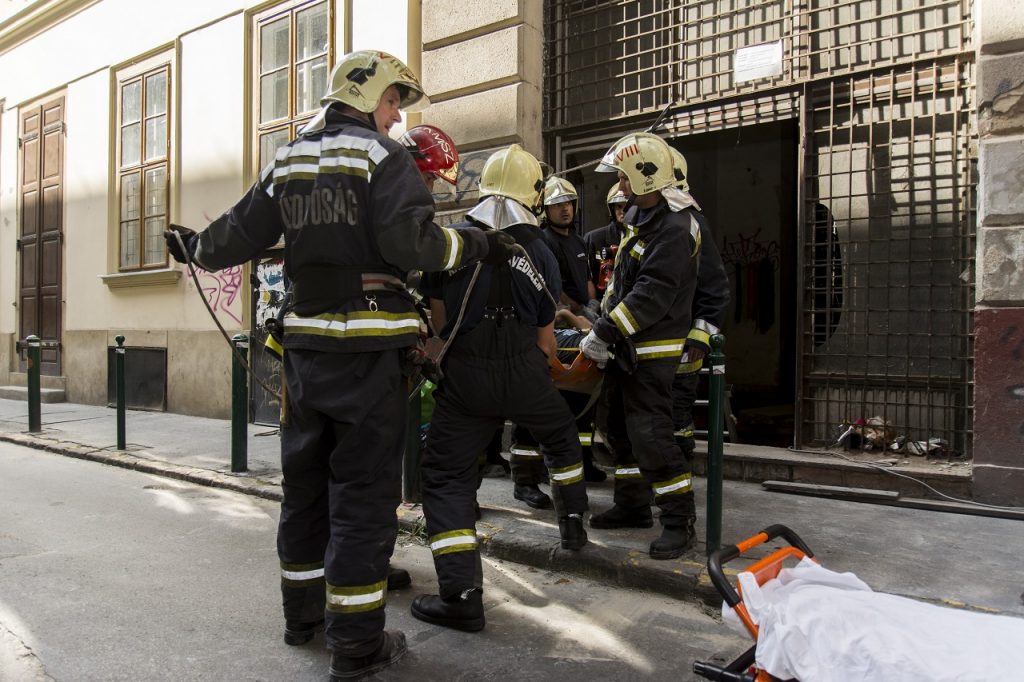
{"points": [[143, 165]]}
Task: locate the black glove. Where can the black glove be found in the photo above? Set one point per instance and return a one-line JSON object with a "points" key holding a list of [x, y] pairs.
{"points": [[592, 311], [173, 247], [500, 247]]}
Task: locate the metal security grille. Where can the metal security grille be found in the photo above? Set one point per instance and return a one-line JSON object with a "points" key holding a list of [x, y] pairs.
{"points": [[888, 253], [883, 91], [611, 59]]}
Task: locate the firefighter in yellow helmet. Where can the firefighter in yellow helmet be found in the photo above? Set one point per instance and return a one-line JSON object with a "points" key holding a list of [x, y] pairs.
{"points": [[496, 369], [558, 226], [645, 319], [603, 242], [355, 216]]}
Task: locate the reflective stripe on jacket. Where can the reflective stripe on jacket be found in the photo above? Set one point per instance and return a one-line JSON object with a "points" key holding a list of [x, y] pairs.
{"points": [[343, 197], [651, 293]]}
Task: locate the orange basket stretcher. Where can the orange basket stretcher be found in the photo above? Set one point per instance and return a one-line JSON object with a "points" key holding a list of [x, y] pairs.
{"points": [[744, 669]]}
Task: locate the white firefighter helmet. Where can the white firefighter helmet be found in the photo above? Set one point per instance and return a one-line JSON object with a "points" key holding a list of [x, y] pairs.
{"points": [[558, 191], [515, 173], [360, 79], [616, 196], [679, 169], [645, 159]]}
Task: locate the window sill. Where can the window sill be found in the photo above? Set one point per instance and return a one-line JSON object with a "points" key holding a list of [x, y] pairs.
{"points": [[142, 278]]}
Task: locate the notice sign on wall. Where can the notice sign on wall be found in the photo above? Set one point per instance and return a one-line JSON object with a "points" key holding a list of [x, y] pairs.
{"points": [[757, 61]]}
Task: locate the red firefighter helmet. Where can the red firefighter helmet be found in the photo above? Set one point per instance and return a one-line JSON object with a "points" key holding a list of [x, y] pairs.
{"points": [[433, 150]]}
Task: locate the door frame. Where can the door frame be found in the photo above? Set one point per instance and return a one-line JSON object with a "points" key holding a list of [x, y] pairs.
{"points": [[51, 354]]}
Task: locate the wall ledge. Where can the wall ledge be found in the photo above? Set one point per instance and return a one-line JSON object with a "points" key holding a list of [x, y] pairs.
{"points": [[142, 278]]}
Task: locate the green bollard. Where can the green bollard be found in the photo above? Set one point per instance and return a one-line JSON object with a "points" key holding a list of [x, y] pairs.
{"points": [[34, 416], [119, 387], [411, 490], [716, 393], [239, 406]]}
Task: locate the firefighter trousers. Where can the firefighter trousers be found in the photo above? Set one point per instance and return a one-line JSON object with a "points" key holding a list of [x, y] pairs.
{"points": [[527, 464], [684, 395], [341, 455], [634, 413], [492, 373]]}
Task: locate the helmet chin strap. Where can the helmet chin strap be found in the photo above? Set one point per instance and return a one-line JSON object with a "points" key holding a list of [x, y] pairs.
{"points": [[373, 121]]}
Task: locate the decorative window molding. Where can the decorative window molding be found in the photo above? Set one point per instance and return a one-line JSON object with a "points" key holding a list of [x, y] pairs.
{"points": [[142, 183]]}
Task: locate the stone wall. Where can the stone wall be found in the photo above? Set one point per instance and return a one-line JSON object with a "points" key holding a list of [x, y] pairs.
{"points": [[482, 69], [999, 315]]}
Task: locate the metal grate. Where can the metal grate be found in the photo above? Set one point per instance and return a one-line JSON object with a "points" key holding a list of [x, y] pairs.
{"points": [[888, 253], [610, 59]]}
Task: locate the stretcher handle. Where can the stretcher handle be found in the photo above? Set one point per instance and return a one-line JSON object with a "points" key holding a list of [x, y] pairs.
{"points": [[727, 554]]}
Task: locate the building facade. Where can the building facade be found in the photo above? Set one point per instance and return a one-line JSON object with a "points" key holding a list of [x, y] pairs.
{"points": [[860, 164], [120, 117]]}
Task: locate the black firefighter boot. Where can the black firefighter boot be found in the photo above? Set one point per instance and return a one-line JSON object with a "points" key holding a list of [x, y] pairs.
{"points": [[532, 496], [464, 611], [398, 578], [391, 648], [621, 517], [674, 541], [574, 535]]}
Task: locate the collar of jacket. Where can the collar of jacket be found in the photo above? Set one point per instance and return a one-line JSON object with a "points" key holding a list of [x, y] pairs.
{"points": [[631, 216], [331, 117], [546, 224]]}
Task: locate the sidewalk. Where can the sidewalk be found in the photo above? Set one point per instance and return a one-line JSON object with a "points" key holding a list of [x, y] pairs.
{"points": [[958, 559]]}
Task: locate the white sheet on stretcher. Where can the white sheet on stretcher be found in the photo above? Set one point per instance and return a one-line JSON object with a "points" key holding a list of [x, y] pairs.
{"points": [[817, 625]]}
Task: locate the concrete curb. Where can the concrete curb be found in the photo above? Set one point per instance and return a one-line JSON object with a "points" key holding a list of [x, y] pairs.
{"points": [[684, 578]]}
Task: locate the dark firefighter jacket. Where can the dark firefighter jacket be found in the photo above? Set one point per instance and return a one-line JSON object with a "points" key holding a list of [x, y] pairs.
{"points": [[356, 217], [532, 306], [651, 293], [711, 298], [597, 243], [571, 254]]}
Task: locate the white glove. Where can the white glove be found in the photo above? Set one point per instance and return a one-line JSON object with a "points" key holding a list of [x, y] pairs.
{"points": [[594, 348]]}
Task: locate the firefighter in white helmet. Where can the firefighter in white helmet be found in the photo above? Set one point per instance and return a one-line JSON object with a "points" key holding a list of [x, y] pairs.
{"points": [[645, 319], [496, 369], [355, 216]]}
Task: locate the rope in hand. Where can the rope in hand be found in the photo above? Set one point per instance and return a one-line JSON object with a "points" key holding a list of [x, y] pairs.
{"points": [[209, 309]]}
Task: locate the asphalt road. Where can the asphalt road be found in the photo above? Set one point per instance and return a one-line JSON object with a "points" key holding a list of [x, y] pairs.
{"points": [[108, 574]]}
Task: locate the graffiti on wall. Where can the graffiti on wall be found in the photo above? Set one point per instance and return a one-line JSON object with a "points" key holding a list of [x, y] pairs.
{"points": [[221, 289], [751, 263], [470, 167]]}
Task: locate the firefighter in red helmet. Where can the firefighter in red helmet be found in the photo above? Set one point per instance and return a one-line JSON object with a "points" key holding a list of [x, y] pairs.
{"points": [[434, 152]]}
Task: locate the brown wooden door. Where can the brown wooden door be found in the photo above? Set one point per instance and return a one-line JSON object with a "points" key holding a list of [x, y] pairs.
{"points": [[40, 242]]}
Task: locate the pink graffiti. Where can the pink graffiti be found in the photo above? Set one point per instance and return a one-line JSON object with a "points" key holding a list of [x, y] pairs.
{"points": [[749, 249], [221, 288]]}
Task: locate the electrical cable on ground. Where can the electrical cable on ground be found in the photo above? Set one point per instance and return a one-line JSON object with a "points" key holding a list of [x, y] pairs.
{"points": [[908, 477]]}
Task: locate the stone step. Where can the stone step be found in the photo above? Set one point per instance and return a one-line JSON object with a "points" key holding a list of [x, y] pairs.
{"points": [[21, 379], [761, 463], [46, 395]]}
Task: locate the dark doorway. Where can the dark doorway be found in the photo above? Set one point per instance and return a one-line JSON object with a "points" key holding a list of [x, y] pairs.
{"points": [[745, 180]]}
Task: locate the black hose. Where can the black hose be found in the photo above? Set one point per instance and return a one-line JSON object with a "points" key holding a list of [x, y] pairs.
{"points": [[199, 290]]}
